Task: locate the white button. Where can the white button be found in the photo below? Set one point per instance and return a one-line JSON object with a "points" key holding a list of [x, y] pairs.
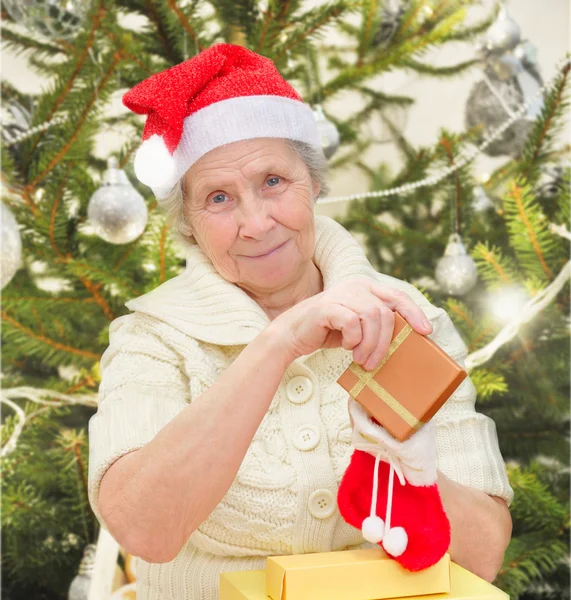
{"points": [[299, 389], [306, 437], [322, 504]]}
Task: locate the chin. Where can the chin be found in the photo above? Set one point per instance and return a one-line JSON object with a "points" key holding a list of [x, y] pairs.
{"points": [[272, 278]]}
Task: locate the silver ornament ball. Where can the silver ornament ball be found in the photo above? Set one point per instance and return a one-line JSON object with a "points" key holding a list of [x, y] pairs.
{"points": [[456, 271], [504, 34], [10, 246], [327, 131], [79, 588], [117, 211], [52, 19], [493, 100]]}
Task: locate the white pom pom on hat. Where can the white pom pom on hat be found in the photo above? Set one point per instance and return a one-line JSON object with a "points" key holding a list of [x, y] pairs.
{"points": [[154, 164]]}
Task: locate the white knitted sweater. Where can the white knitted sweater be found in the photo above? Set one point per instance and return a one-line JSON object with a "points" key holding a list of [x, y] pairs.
{"points": [[180, 338]]}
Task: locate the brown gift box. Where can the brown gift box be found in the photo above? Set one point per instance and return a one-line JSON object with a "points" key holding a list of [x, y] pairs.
{"points": [[410, 384]]}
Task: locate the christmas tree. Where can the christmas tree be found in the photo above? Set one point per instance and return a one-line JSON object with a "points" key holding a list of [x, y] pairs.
{"points": [[80, 265]]}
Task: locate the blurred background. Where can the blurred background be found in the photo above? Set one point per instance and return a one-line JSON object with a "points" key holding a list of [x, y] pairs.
{"points": [[445, 124]]}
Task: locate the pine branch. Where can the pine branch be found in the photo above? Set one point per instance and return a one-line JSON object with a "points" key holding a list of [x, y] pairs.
{"points": [[433, 71], [89, 273], [370, 23], [117, 57], [488, 384], [15, 301], [540, 137], [54, 213], [313, 22], [19, 44], [239, 16], [185, 23], [391, 57], [383, 98], [529, 235], [460, 310], [267, 19], [492, 266], [44, 340], [468, 33], [96, 23], [161, 30]]}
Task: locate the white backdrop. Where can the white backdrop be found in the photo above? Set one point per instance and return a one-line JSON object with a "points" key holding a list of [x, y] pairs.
{"points": [[439, 102]]}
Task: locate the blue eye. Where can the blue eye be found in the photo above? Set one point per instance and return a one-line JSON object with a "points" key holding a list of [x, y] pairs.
{"points": [[276, 179], [218, 196]]}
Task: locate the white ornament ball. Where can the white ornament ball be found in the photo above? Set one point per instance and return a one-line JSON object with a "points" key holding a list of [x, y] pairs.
{"points": [[456, 271], [154, 165], [327, 132], [373, 529], [117, 211], [395, 541], [10, 246]]}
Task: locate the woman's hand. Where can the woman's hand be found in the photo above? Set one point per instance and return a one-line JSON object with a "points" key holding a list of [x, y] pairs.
{"points": [[356, 314]]}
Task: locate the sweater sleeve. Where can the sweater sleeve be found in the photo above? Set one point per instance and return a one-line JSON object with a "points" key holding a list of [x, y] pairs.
{"points": [[466, 441], [142, 388]]}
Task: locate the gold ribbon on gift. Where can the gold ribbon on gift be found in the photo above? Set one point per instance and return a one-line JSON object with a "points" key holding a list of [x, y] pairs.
{"points": [[366, 379]]}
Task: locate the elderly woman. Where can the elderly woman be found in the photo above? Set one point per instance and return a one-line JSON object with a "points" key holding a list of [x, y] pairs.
{"points": [[221, 435]]}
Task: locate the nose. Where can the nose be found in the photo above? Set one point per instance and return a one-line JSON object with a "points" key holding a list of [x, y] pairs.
{"points": [[255, 218]]}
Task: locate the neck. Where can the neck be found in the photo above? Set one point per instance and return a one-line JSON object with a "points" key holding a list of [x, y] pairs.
{"points": [[276, 302]]}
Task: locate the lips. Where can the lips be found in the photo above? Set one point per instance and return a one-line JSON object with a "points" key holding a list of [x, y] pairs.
{"points": [[267, 252]]}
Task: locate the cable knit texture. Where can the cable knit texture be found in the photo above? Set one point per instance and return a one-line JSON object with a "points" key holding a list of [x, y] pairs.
{"points": [[180, 337]]}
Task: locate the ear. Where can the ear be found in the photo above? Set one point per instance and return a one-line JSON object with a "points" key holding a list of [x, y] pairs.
{"points": [[316, 188]]}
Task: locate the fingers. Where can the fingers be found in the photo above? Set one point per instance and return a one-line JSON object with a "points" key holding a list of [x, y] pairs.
{"points": [[403, 304], [384, 339], [346, 321], [377, 325], [363, 311], [369, 312]]}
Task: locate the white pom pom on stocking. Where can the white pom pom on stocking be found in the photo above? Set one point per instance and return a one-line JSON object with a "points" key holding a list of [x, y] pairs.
{"points": [[395, 541], [373, 529]]}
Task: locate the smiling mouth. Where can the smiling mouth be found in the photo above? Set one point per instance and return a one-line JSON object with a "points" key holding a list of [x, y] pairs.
{"points": [[269, 252]]}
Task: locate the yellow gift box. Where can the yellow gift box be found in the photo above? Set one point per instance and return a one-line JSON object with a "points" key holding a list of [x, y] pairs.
{"points": [[350, 574], [251, 585]]}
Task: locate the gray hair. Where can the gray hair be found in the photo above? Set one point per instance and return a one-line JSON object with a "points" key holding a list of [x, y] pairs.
{"points": [[174, 204]]}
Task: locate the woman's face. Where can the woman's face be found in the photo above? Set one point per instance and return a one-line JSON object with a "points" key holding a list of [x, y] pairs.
{"points": [[250, 198]]}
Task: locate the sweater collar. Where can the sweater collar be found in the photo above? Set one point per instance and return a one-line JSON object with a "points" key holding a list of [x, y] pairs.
{"points": [[202, 304]]}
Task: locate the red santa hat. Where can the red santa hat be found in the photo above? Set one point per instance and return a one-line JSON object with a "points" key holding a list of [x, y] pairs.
{"points": [[224, 94]]}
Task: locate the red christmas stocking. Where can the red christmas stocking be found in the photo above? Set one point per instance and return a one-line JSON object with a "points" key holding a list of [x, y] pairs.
{"points": [[415, 530]]}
